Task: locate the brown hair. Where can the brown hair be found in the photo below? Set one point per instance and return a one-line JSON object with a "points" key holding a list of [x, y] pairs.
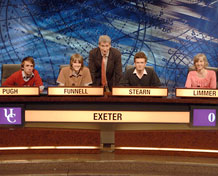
{"points": [[197, 57], [28, 58], [74, 58], [140, 55]]}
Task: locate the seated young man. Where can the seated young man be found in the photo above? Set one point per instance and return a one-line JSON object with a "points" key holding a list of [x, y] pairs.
{"points": [[139, 75], [26, 77]]}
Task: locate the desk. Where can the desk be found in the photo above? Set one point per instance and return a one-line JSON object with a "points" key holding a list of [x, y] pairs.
{"points": [[110, 103], [106, 99]]}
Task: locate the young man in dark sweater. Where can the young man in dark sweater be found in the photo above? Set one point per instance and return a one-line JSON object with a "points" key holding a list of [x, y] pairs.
{"points": [[139, 75]]}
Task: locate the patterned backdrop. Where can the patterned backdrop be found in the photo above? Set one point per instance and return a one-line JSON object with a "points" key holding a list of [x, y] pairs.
{"points": [[169, 32]]}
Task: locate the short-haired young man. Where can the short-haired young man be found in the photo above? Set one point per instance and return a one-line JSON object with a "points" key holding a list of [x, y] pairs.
{"points": [[139, 75], [27, 76]]}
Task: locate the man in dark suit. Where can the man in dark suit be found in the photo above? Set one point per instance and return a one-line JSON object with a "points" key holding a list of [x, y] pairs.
{"points": [[139, 75], [105, 64]]}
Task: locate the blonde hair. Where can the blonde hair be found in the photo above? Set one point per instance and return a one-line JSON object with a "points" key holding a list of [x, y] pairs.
{"points": [[197, 57], [74, 58], [104, 39]]}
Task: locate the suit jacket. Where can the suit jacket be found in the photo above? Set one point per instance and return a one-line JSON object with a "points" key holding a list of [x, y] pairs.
{"points": [[113, 70], [150, 79]]}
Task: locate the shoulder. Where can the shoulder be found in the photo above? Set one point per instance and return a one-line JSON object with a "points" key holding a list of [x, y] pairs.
{"points": [[211, 72], [192, 73], [130, 70], [65, 69], [149, 69], [115, 51], [85, 69], [17, 73], [35, 71], [94, 50]]}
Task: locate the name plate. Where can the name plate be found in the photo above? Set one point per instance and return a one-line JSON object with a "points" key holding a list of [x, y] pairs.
{"points": [[107, 116], [133, 91], [203, 93], [75, 91], [19, 91]]}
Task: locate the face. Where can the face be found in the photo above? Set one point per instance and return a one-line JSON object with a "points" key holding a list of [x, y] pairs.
{"points": [[104, 47], [200, 64], [76, 65], [28, 67], [140, 64]]}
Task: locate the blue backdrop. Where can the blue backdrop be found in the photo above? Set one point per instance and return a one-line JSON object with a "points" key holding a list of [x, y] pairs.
{"points": [[169, 32]]}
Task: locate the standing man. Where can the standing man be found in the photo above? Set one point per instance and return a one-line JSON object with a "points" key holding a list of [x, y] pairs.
{"points": [[139, 75], [105, 64], [26, 77]]}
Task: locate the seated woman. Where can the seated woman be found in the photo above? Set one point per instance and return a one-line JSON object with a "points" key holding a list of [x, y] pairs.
{"points": [[75, 74], [201, 77]]}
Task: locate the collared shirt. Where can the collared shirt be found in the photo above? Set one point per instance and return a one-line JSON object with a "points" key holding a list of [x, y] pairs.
{"points": [[149, 78], [25, 77], [144, 73], [73, 73]]}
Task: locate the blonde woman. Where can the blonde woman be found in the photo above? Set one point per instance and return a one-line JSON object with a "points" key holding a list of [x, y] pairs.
{"points": [[201, 77]]}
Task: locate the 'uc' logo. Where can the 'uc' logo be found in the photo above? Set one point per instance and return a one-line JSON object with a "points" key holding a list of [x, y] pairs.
{"points": [[211, 117], [10, 116]]}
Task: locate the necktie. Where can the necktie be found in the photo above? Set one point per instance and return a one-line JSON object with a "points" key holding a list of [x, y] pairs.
{"points": [[103, 73]]}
